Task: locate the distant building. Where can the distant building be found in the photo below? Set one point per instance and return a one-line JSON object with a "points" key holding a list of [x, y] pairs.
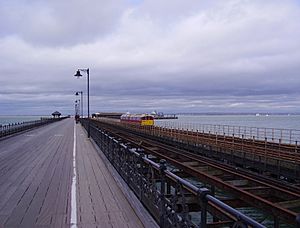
{"points": [[56, 114], [112, 115], [161, 115]]}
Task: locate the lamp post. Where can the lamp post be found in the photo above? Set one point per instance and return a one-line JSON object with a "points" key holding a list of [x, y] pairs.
{"points": [[77, 107], [78, 74], [81, 101]]}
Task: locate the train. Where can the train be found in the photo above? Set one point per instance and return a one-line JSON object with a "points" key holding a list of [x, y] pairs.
{"points": [[138, 119]]}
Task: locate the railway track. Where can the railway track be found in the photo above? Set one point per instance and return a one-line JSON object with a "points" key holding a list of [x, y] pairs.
{"points": [[287, 185], [268, 153], [279, 151], [264, 148], [245, 189], [246, 153]]}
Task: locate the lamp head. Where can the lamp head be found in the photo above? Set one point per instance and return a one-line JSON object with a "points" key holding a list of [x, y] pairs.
{"points": [[78, 74], [76, 92]]}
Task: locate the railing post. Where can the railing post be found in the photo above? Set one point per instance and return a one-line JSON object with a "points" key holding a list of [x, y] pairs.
{"points": [[162, 168], [202, 193], [265, 165], [141, 161], [298, 221]]}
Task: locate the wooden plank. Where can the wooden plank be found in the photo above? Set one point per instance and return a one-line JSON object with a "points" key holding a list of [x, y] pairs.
{"points": [[36, 181], [27, 198], [47, 188], [142, 213], [36, 165], [60, 217], [290, 204], [86, 210], [98, 191], [15, 199], [49, 213]]}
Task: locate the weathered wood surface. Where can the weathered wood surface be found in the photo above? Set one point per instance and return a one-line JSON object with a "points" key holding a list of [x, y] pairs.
{"points": [[36, 175], [141, 211], [101, 203]]}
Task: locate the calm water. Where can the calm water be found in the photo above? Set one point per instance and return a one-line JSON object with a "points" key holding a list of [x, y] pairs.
{"points": [[271, 121], [262, 121], [275, 128], [249, 121], [17, 119]]}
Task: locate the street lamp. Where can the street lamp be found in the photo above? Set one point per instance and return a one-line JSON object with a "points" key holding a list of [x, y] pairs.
{"points": [[81, 101], [77, 105], [78, 74]]}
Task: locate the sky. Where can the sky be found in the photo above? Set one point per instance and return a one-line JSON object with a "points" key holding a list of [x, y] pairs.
{"points": [[173, 56]]}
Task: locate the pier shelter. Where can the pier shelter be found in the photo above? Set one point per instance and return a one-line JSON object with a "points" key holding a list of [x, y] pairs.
{"points": [[56, 114]]}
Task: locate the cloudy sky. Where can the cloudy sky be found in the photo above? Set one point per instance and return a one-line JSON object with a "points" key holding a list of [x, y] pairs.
{"points": [[145, 55]]}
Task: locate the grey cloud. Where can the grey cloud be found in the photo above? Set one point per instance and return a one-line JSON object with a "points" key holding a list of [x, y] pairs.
{"points": [[59, 23], [197, 56]]}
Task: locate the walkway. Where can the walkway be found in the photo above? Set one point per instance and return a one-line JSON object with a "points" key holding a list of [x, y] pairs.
{"points": [[36, 172], [101, 201]]}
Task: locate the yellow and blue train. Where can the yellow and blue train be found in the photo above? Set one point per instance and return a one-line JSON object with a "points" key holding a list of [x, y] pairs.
{"points": [[138, 119]]}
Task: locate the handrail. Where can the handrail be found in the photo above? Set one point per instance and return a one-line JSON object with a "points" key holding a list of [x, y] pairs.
{"points": [[132, 166], [278, 135], [9, 129]]}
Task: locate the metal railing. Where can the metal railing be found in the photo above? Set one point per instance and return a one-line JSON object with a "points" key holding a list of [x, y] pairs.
{"points": [[279, 160], [165, 194], [9, 129], [276, 135]]}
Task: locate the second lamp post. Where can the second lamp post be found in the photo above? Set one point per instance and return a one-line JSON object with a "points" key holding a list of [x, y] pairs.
{"points": [[81, 101], [78, 74]]}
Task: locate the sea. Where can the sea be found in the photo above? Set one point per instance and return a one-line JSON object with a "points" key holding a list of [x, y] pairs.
{"points": [[4, 120], [291, 124], [285, 128], [287, 121]]}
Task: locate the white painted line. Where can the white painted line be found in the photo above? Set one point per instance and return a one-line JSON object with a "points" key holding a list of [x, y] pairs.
{"points": [[30, 135], [73, 187]]}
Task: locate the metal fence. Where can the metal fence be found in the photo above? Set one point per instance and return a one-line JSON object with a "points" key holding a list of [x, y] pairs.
{"points": [[9, 129], [161, 191], [287, 136]]}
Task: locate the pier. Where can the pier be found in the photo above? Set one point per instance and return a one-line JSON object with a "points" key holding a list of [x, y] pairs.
{"points": [[193, 156], [37, 182], [142, 176], [170, 114]]}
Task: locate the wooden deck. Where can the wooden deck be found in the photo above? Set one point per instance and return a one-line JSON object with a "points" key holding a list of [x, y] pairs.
{"points": [[36, 177]]}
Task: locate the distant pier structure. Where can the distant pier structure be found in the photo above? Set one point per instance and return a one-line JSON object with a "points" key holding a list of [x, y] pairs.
{"points": [[56, 114], [112, 115], [117, 115], [132, 175], [161, 115]]}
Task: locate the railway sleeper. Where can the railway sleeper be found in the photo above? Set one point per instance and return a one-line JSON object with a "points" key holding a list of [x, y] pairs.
{"points": [[221, 186]]}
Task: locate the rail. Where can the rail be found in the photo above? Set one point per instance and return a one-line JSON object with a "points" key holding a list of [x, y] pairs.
{"points": [[165, 194], [244, 187], [275, 135], [277, 160], [9, 129]]}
